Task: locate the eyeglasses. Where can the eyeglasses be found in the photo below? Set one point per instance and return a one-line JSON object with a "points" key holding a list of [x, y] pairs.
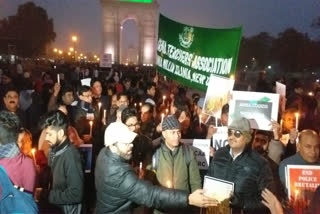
{"points": [[133, 125], [235, 133]]}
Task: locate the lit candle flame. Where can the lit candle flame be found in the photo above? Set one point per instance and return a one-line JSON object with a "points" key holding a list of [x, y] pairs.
{"points": [[99, 105], [169, 184]]}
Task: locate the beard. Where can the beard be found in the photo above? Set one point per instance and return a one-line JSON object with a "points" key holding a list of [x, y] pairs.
{"points": [[126, 156]]}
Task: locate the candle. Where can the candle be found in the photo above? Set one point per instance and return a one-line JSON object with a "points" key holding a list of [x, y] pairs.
{"points": [[281, 123], [99, 105], [91, 124], [135, 105], [58, 78], [167, 111], [169, 184], [140, 166], [297, 120], [140, 104], [200, 120], [105, 114], [33, 151], [162, 116], [163, 99]]}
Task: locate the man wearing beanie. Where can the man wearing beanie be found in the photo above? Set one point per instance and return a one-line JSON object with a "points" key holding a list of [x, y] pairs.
{"points": [[118, 187], [247, 169], [175, 164]]}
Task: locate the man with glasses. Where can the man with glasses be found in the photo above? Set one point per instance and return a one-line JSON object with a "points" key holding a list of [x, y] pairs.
{"points": [[142, 145], [247, 169], [84, 113]]}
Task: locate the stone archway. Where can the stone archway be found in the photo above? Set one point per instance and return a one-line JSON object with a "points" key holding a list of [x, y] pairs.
{"points": [[146, 15]]}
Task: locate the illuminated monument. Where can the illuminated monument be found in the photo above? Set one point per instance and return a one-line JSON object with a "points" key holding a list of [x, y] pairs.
{"points": [[146, 15]]}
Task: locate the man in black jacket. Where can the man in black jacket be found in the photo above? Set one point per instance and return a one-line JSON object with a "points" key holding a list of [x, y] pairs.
{"points": [[118, 187], [247, 169], [66, 166]]}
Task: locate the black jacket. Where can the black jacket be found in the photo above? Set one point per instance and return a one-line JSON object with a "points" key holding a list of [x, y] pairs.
{"points": [[118, 187], [250, 173], [67, 175]]}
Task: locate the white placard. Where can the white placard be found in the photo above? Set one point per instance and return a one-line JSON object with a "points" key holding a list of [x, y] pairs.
{"points": [[106, 60], [201, 148], [220, 138], [86, 82], [217, 188], [259, 108]]}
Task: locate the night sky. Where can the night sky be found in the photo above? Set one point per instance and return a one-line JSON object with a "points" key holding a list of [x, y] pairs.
{"points": [[83, 17]]}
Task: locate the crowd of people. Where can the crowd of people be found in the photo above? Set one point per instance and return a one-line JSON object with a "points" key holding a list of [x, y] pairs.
{"points": [[134, 120]]}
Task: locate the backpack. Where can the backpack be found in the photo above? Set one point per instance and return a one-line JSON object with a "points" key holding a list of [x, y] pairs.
{"points": [[14, 200], [155, 158]]}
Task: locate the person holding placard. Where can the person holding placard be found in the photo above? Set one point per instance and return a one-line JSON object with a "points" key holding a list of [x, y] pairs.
{"points": [[247, 169], [308, 153]]}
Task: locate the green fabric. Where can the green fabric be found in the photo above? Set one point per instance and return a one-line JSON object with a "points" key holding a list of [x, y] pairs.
{"points": [[190, 54], [173, 167]]}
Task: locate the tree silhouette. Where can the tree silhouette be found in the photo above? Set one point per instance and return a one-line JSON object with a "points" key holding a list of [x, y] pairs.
{"points": [[30, 31]]}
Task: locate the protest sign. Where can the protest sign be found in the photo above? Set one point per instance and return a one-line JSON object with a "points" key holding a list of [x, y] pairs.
{"points": [[106, 60], [220, 138], [219, 190], [218, 94], [201, 148], [302, 181], [281, 90], [189, 54], [259, 108]]}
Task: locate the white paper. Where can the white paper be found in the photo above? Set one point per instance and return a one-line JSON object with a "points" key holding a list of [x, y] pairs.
{"points": [[217, 188]]}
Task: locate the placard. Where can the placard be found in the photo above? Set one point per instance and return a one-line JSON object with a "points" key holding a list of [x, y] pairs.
{"points": [[220, 190], [218, 94], [258, 108], [220, 138], [201, 148], [281, 90]]}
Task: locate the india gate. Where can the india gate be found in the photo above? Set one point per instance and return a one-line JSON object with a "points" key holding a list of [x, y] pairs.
{"points": [[145, 13]]}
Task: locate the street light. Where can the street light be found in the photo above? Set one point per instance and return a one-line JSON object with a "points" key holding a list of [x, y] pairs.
{"points": [[74, 40]]}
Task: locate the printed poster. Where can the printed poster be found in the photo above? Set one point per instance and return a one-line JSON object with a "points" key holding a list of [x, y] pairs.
{"points": [[259, 108], [281, 90], [219, 190], [302, 182], [218, 94]]}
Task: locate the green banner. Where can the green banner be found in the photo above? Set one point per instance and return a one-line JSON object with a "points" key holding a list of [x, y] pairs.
{"points": [[190, 54]]}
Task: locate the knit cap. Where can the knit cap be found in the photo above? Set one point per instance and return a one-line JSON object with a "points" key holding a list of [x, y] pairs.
{"points": [[170, 122]]}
